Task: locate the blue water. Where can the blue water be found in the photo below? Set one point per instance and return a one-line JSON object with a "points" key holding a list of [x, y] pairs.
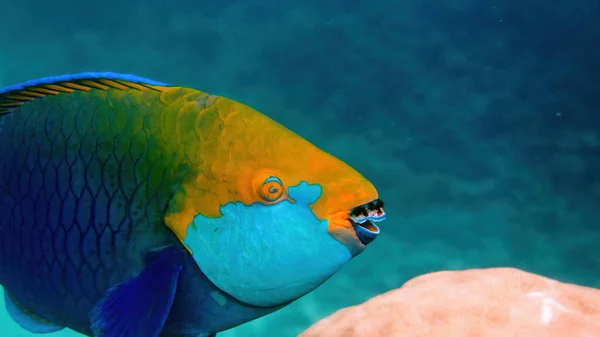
{"points": [[479, 121]]}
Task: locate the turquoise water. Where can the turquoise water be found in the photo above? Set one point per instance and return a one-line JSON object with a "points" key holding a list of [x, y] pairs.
{"points": [[478, 122]]}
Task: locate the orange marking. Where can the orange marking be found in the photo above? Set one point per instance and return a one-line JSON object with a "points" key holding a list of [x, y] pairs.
{"points": [[75, 86], [29, 93], [162, 89], [113, 84], [21, 98], [43, 91], [94, 84], [59, 88], [10, 104], [133, 85]]}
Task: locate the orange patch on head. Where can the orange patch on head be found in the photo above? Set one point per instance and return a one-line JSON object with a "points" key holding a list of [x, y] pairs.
{"points": [[241, 155]]}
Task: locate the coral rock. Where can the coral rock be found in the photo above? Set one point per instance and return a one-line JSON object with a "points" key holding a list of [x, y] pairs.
{"points": [[497, 302]]}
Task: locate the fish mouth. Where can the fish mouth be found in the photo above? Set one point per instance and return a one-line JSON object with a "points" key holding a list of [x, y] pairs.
{"points": [[363, 219]]}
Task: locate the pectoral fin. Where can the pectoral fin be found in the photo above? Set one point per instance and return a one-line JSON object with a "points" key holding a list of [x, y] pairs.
{"points": [[139, 307], [28, 320]]}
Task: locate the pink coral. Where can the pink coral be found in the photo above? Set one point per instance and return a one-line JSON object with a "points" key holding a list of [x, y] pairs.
{"points": [[497, 302]]}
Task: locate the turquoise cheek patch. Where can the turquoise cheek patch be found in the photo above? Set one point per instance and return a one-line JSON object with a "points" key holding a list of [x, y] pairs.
{"points": [[267, 255]]}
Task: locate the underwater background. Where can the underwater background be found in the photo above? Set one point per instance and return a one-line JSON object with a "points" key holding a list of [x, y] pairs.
{"points": [[478, 121]]}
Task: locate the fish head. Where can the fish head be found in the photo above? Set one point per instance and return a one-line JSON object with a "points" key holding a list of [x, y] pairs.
{"points": [[270, 216]]}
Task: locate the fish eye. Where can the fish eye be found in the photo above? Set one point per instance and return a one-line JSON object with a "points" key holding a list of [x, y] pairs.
{"points": [[272, 189]]}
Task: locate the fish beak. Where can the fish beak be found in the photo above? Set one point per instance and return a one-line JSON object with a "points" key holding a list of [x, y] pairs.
{"points": [[363, 219], [356, 228]]}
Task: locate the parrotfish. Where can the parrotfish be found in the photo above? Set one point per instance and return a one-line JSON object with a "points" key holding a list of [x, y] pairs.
{"points": [[135, 208]]}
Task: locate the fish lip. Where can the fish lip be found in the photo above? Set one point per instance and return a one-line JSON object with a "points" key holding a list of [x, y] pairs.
{"points": [[364, 225], [365, 234]]}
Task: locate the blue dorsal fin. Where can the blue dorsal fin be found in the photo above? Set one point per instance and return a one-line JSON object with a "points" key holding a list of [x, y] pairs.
{"points": [[18, 94], [28, 320]]}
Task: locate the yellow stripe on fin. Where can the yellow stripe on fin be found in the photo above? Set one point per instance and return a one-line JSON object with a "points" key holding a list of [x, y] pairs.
{"points": [[94, 84], [10, 104], [7, 107], [76, 86], [58, 88], [16, 95], [140, 87], [113, 84], [29, 93], [21, 98], [44, 91]]}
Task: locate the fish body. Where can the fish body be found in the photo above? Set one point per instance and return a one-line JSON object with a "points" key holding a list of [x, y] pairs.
{"points": [[132, 207]]}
